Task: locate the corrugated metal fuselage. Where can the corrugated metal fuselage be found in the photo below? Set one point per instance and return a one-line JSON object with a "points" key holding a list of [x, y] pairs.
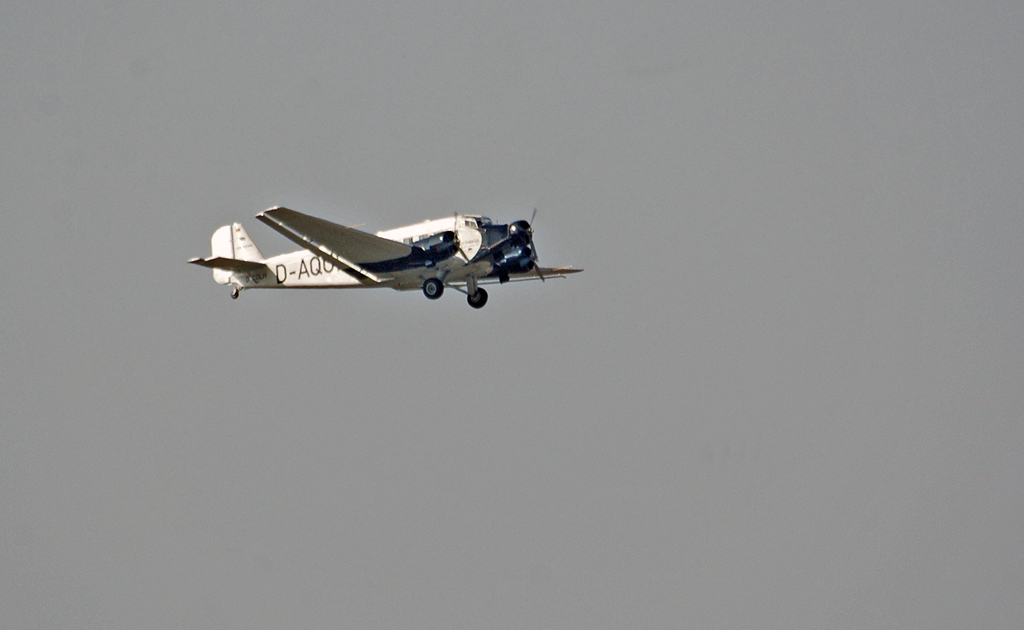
{"points": [[465, 257]]}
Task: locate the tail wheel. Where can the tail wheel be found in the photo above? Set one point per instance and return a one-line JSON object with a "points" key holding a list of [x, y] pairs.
{"points": [[478, 299], [234, 293], [433, 288]]}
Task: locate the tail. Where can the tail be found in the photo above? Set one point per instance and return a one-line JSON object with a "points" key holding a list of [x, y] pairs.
{"points": [[234, 242], [229, 244]]}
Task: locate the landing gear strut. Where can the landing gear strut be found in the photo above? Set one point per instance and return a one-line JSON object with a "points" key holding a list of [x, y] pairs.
{"points": [[478, 299], [234, 293], [433, 288]]}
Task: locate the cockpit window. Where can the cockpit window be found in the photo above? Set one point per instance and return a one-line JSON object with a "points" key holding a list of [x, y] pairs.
{"points": [[484, 221], [470, 223]]}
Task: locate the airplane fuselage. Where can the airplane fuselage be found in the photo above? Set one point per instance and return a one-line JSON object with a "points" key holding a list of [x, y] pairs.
{"points": [[445, 248]]}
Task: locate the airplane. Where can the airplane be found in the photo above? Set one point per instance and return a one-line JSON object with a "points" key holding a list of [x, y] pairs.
{"points": [[461, 252]]}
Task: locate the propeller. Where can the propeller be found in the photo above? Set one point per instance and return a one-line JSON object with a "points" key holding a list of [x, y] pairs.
{"points": [[455, 228], [533, 246]]}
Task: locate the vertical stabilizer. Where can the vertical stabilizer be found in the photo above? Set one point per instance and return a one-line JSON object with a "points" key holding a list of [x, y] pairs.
{"points": [[232, 242], [244, 248]]}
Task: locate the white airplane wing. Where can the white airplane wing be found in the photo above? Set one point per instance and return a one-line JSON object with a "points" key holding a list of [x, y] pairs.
{"points": [[346, 246]]}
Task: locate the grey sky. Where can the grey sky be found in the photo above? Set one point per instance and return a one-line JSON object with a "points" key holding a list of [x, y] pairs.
{"points": [[785, 393]]}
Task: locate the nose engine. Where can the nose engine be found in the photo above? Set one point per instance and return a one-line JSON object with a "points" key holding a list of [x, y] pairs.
{"points": [[520, 233]]}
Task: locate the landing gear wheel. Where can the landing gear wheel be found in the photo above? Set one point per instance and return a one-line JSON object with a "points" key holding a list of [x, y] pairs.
{"points": [[433, 288], [478, 299], [234, 293]]}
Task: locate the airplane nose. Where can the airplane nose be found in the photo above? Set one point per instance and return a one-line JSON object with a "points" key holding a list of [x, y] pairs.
{"points": [[520, 232]]}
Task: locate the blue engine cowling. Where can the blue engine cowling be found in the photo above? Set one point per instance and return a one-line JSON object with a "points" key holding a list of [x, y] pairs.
{"points": [[439, 246], [519, 233], [515, 259]]}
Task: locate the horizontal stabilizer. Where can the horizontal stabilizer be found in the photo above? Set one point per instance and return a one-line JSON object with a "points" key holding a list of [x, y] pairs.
{"points": [[231, 264]]}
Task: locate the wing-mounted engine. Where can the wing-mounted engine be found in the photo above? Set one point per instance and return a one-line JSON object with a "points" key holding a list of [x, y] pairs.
{"points": [[515, 252], [438, 247], [514, 259]]}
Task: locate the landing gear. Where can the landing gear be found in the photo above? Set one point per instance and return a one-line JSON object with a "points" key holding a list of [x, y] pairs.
{"points": [[234, 293], [478, 299], [433, 288]]}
